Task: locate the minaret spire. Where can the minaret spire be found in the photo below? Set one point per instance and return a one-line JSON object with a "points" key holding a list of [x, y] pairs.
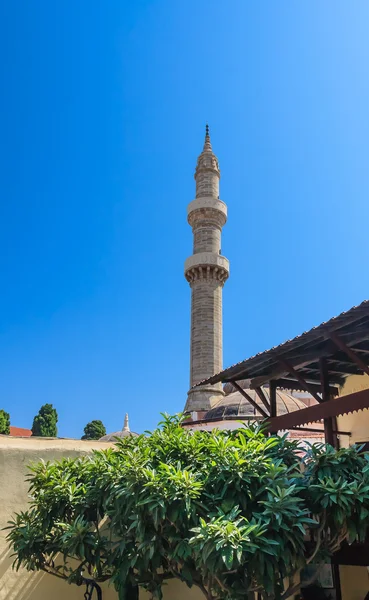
{"points": [[126, 423], [207, 144], [206, 271]]}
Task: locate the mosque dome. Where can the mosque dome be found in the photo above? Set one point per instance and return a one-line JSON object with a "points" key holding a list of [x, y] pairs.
{"points": [[125, 432], [235, 405]]}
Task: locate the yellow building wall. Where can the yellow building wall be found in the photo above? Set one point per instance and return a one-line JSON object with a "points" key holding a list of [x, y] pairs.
{"points": [[354, 582], [358, 422]]}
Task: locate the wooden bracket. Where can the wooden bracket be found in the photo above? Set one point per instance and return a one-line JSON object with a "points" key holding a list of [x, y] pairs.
{"points": [[251, 400], [262, 397], [348, 351], [299, 378]]}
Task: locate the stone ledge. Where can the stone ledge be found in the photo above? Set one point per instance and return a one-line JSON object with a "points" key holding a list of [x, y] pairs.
{"points": [[203, 398], [204, 259], [207, 202]]}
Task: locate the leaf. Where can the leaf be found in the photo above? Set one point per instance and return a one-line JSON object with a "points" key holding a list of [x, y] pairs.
{"points": [[227, 556], [187, 575]]}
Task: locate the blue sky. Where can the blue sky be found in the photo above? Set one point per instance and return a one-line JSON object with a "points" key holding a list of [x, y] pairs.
{"points": [[103, 108]]}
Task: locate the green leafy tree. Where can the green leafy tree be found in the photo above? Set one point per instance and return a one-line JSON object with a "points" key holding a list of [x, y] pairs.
{"points": [[94, 430], [4, 422], [44, 423], [231, 512]]}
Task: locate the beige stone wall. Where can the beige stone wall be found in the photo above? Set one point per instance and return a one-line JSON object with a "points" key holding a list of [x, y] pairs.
{"points": [[15, 455]]}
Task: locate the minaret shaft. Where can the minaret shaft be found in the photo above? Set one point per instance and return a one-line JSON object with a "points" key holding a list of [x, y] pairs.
{"points": [[206, 271], [206, 330], [206, 239]]}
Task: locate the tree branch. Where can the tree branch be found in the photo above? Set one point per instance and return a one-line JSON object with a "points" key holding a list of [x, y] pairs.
{"points": [[319, 539], [336, 542], [50, 571], [296, 588], [221, 585]]}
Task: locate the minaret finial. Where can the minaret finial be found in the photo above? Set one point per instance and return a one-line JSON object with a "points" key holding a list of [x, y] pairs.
{"points": [[126, 423], [207, 144]]}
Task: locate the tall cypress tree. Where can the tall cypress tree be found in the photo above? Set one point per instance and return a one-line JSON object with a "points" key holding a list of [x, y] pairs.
{"points": [[44, 423]]}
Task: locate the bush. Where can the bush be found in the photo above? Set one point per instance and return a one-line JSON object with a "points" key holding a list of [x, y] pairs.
{"points": [[94, 430], [4, 422], [228, 511]]}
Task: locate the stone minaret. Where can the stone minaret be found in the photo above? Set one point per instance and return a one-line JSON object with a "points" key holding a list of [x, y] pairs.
{"points": [[206, 271]]}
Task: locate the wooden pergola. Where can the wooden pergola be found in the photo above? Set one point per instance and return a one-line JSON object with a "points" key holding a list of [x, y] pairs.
{"points": [[318, 362]]}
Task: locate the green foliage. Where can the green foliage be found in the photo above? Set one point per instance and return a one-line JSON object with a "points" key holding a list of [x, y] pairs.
{"points": [[227, 511], [4, 422], [94, 430], [44, 424]]}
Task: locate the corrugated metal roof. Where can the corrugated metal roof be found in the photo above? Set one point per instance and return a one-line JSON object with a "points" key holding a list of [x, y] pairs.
{"points": [[262, 362]]}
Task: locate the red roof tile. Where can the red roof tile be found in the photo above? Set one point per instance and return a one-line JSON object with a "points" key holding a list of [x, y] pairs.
{"points": [[20, 432]]}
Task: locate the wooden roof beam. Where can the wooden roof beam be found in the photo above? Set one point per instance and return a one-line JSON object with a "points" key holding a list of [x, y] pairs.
{"points": [[360, 350], [349, 352], [281, 371], [291, 369], [316, 430], [299, 362], [334, 367], [275, 374], [292, 384], [339, 406], [352, 326]]}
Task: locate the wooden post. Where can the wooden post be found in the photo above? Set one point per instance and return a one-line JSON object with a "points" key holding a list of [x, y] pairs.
{"points": [[337, 581], [324, 380], [273, 398]]}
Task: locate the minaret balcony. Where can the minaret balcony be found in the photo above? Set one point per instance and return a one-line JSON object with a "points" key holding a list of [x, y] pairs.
{"points": [[205, 204], [206, 266]]}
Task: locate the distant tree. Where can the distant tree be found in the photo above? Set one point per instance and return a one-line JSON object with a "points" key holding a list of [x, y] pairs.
{"points": [[4, 422], [44, 424], [94, 430]]}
